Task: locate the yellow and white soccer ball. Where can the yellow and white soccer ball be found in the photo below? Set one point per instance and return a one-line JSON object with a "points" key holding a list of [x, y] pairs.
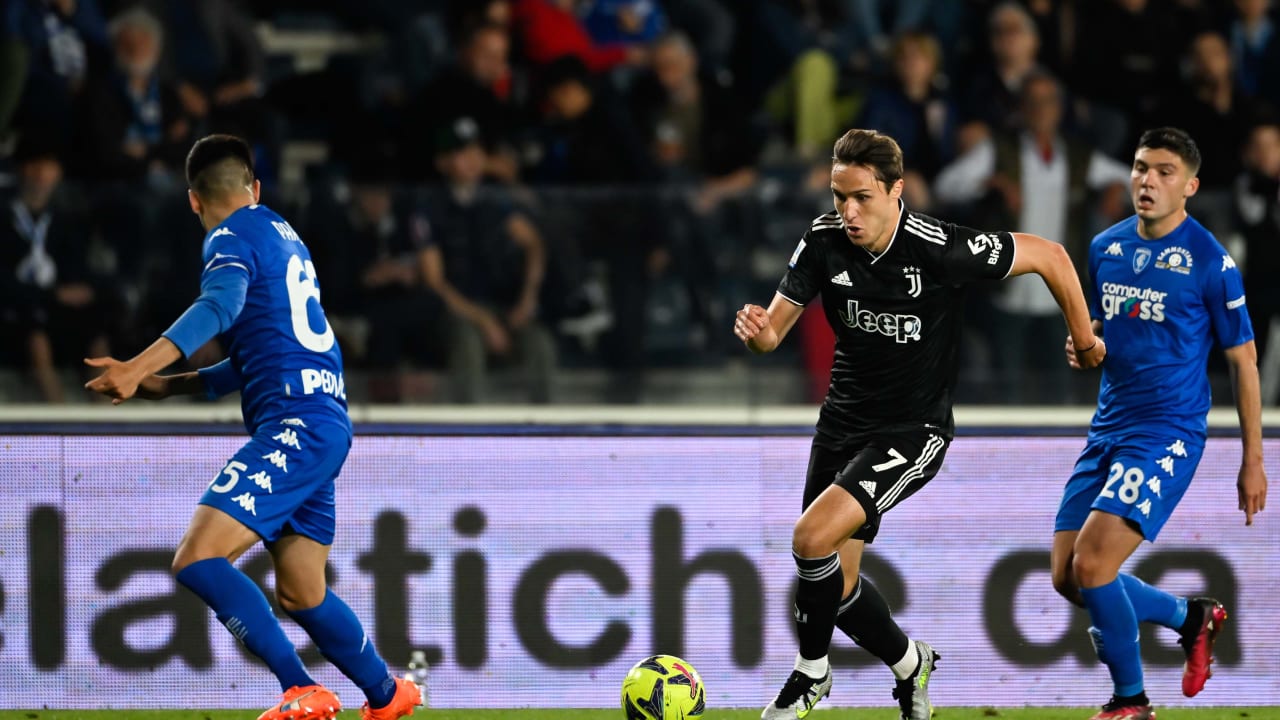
{"points": [[663, 687]]}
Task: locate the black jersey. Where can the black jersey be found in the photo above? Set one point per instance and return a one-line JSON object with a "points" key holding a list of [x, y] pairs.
{"points": [[897, 318]]}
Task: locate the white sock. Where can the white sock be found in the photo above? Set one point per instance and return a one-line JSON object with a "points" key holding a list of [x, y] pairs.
{"points": [[816, 669], [908, 664]]}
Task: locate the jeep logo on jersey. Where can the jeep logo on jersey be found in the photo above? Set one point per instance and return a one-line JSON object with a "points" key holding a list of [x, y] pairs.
{"points": [[899, 327], [1129, 301], [987, 243], [1141, 258]]}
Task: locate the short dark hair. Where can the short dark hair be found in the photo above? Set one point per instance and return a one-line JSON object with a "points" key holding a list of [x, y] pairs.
{"points": [[872, 149], [219, 164], [1175, 140]]}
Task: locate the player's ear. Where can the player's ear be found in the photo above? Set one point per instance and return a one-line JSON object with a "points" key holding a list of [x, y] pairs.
{"points": [[195, 201], [1193, 185], [895, 190], [256, 190]]}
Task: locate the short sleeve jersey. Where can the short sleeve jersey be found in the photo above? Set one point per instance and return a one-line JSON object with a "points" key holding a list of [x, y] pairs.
{"points": [[281, 343], [1163, 304], [896, 316]]}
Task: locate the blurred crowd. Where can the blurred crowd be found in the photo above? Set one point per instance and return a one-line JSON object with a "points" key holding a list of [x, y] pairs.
{"points": [[536, 188]]}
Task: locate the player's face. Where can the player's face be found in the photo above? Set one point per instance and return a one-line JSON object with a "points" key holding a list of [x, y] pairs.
{"points": [[868, 209], [1159, 183]]}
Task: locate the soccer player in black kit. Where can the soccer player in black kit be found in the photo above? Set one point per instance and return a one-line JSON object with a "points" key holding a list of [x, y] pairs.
{"points": [[891, 282]]}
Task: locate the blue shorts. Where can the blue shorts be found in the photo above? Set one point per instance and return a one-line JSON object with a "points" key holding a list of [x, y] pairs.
{"points": [[282, 479], [1138, 477]]}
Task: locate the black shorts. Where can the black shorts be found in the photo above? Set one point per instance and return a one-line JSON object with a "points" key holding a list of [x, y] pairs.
{"points": [[878, 472]]}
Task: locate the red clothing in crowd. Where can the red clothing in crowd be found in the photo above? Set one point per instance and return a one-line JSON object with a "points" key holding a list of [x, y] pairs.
{"points": [[548, 32]]}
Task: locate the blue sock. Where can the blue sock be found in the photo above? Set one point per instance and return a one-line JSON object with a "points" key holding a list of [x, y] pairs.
{"points": [[341, 639], [1153, 605], [243, 609], [1112, 614]]}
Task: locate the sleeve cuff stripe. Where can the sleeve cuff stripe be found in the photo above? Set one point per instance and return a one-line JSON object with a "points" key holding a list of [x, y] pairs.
{"points": [[793, 302]]}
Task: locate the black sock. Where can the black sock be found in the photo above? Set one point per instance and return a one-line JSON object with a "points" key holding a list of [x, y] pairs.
{"points": [[817, 597], [1195, 616], [1131, 700], [864, 616]]}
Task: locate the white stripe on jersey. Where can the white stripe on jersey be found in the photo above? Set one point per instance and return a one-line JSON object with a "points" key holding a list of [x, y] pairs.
{"points": [[793, 302], [231, 264], [928, 232], [915, 472], [824, 222]]}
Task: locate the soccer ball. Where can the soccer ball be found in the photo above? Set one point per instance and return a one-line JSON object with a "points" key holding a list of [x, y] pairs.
{"points": [[663, 687]]}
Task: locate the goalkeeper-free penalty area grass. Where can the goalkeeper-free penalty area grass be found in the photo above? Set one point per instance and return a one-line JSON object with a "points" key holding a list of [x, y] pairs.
{"points": [[1232, 713]]}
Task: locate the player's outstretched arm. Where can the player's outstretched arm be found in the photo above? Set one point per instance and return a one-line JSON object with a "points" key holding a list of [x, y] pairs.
{"points": [[762, 330], [1251, 484], [1049, 260], [120, 380]]}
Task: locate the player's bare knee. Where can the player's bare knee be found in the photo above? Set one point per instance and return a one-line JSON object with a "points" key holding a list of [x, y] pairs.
{"points": [[1064, 582], [809, 541], [292, 599], [1089, 570]]}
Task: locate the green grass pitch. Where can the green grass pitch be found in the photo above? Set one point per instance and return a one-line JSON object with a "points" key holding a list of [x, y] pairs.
{"points": [[1233, 713]]}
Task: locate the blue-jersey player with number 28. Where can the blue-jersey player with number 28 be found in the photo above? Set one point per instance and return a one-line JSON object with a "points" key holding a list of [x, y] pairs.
{"points": [[259, 292], [1164, 292]]}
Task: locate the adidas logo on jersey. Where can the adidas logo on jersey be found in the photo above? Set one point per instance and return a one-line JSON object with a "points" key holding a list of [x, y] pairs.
{"points": [[1114, 249], [842, 279], [869, 486]]}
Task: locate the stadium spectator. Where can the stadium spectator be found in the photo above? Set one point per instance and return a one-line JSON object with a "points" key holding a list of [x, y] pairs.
{"points": [[478, 86], [60, 41], [794, 61], [588, 145], [219, 64], [693, 125], [1128, 53], [131, 121], [1212, 109], [623, 22], [1257, 195], [380, 306], [993, 89], [1042, 180], [713, 27], [914, 107], [701, 140], [1255, 48], [50, 311], [486, 261], [550, 29]]}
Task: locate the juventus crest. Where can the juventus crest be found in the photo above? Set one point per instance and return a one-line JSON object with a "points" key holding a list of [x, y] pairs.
{"points": [[912, 274]]}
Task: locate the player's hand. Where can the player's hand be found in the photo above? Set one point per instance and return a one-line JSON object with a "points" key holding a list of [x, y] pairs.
{"points": [[751, 325], [118, 381], [1251, 486], [1090, 357]]}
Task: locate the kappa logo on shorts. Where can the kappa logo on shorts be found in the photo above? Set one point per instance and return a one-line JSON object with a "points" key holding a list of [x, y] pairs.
{"points": [[288, 437], [1178, 448], [246, 502], [1166, 464], [277, 458], [262, 480]]}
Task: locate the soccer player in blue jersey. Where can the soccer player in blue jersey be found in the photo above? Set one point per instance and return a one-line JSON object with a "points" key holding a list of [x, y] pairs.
{"points": [[259, 292], [1164, 291]]}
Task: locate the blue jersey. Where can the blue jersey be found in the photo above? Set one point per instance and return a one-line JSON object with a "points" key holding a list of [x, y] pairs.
{"points": [[280, 346], [1163, 305]]}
